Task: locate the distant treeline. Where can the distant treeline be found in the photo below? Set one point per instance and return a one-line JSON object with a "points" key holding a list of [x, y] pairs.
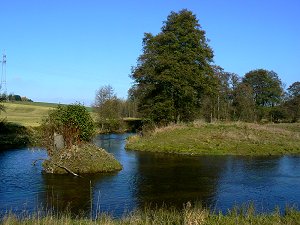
{"points": [[176, 80], [14, 98]]}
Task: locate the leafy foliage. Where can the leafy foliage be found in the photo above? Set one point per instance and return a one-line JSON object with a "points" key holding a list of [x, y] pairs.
{"points": [[174, 71], [73, 122], [108, 109], [294, 89], [266, 86], [219, 104], [112, 110], [291, 107], [243, 103]]}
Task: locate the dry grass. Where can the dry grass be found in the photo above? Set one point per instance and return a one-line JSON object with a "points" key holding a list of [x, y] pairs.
{"points": [[168, 128], [193, 215]]}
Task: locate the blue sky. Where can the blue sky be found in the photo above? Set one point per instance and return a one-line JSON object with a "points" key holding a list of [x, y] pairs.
{"points": [[64, 50]]}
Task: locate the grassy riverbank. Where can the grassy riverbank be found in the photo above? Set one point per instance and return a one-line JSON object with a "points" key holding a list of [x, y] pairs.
{"points": [[15, 136], [221, 139], [187, 216]]}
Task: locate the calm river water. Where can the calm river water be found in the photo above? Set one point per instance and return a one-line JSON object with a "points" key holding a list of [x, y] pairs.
{"points": [[218, 182]]}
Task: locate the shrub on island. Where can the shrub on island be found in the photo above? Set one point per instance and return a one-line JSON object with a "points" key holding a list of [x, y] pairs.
{"points": [[66, 134]]}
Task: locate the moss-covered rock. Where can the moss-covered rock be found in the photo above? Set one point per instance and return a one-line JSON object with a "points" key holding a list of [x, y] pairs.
{"points": [[85, 158]]}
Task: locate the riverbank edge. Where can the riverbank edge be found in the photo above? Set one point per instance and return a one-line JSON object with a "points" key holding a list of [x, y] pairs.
{"points": [[231, 139], [13, 135], [188, 215]]}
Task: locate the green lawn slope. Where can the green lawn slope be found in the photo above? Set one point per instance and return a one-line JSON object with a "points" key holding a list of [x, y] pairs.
{"points": [[221, 139], [28, 114]]}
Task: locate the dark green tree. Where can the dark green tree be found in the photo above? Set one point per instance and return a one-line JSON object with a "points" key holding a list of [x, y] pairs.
{"points": [[266, 86], [174, 71], [292, 105], [243, 103], [294, 90], [227, 82]]}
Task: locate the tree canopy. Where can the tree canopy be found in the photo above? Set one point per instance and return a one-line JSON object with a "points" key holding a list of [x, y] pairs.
{"points": [[266, 86], [294, 89], [174, 71], [108, 109]]}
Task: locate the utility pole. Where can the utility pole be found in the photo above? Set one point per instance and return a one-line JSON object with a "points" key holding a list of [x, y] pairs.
{"points": [[3, 87]]}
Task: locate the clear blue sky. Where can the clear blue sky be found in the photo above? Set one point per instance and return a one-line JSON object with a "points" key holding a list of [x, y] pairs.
{"points": [[64, 50]]}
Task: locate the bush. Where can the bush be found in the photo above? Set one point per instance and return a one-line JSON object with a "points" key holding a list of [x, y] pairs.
{"points": [[73, 122]]}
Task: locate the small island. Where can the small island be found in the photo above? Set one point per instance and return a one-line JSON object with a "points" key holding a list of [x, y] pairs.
{"points": [[86, 158], [67, 133]]}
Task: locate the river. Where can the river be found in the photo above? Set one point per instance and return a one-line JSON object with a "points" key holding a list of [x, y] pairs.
{"points": [[218, 182]]}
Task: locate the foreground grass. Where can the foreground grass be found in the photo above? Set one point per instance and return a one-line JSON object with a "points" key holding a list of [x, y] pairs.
{"points": [[188, 216], [221, 139], [86, 158]]}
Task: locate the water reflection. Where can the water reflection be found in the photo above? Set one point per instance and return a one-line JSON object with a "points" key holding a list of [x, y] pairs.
{"points": [[20, 181], [218, 182], [267, 182], [175, 180]]}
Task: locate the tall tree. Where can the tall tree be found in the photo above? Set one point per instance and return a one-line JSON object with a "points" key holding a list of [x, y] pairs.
{"points": [[174, 71], [227, 82], [292, 105], [266, 86], [294, 89], [243, 103]]}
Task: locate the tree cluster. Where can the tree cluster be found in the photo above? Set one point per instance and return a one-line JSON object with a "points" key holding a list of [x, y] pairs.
{"points": [[175, 80], [111, 110], [14, 97]]}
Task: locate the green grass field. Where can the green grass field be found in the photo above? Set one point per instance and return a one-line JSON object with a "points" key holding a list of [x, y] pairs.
{"points": [[26, 114], [29, 114], [221, 139]]}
